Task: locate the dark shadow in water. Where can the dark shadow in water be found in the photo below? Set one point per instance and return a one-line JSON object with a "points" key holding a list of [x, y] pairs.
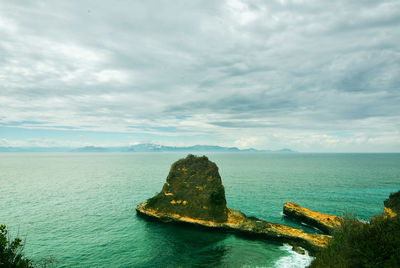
{"points": [[186, 245], [182, 245], [297, 224]]}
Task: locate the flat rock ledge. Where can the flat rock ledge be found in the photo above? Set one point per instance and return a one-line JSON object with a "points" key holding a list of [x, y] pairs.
{"points": [[325, 222], [238, 222]]}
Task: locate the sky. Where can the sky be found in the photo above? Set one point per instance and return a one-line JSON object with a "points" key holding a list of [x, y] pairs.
{"points": [[313, 76]]}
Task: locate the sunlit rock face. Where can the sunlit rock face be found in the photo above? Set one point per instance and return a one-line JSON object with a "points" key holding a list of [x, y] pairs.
{"points": [[325, 222], [392, 205], [193, 189]]}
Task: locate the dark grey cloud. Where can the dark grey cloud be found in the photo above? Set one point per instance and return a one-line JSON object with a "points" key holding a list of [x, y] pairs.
{"points": [[243, 124], [298, 69], [253, 105]]}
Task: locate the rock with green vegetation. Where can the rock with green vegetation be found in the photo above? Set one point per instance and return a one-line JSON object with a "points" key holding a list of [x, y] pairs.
{"points": [[193, 189]]}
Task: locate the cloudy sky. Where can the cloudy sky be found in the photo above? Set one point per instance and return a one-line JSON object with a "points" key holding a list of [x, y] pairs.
{"points": [[313, 76]]}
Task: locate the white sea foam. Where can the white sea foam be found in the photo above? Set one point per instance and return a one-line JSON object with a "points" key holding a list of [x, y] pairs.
{"points": [[294, 260], [309, 226]]}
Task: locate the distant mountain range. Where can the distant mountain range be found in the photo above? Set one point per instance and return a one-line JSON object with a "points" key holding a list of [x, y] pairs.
{"points": [[144, 147]]}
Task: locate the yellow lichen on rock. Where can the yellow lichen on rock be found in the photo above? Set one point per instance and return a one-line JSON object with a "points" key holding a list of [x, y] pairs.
{"points": [[387, 212], [187, 180], [235, 217]]}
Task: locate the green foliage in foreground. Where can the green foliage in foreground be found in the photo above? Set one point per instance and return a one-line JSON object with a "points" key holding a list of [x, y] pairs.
{"points": [[374, 244], [11, 251]]}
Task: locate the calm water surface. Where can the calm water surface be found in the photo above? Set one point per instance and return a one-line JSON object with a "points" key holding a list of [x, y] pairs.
{"points": [[80, 208]]}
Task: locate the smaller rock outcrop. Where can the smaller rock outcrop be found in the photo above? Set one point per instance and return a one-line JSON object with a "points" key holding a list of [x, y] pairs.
{"points": [[325, 222]]}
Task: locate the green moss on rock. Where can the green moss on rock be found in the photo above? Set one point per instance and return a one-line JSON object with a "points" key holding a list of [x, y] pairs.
{"points": [[193, 189]]}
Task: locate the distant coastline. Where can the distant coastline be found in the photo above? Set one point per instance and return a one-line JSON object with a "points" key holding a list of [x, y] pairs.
{"points": [[143, 147]]}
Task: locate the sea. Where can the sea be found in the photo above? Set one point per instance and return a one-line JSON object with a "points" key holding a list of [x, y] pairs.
{"points": [[78, 209]]}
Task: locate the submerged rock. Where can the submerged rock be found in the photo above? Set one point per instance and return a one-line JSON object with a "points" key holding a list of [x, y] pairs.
{"points": [[194, 194], [298, 250], [325, 222]]}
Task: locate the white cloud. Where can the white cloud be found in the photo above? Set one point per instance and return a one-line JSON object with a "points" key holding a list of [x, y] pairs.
{"points": [[4, 143], [243, 143], [109, 76], [241, 12]]}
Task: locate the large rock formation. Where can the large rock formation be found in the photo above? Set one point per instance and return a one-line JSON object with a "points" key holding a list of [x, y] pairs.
{"points": [[193, 189], [325, 222], [194, 194]]}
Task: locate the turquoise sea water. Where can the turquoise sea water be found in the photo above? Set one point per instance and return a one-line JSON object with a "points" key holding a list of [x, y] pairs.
{"points": [[80, 208]]}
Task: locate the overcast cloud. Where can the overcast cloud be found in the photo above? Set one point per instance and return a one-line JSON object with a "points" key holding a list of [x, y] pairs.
{"points": [[308, 75]]}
